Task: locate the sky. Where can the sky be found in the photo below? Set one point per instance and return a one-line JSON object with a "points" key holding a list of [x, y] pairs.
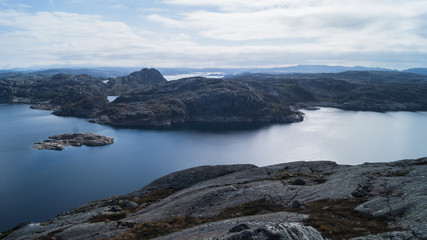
{"points": [[212, 33]]}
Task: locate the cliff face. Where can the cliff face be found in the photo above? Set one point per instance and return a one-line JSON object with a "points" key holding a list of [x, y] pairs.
{"points": [[298, 200]]}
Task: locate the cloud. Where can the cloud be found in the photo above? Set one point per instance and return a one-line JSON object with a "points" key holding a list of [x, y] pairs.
{"points": [[118, 6], [241, 5], [361, 25], [59, 37], [221, 33], [166, 21], [22, 5]]}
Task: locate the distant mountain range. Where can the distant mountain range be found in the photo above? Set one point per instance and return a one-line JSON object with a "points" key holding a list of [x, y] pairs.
{"points": [[112, 72]]}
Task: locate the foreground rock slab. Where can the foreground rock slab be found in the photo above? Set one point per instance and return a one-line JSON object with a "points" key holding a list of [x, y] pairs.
{"points": [[368, 201], [59, 142]]}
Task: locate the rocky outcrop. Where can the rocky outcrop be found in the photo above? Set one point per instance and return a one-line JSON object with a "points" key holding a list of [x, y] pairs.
{"points": [[71, 95], [59, 142], [354, 90], [264, 98], [136, 80], [283, 225], [248, 202], [199, 100]]}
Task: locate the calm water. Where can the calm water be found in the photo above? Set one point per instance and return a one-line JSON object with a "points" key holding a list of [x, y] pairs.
{"points": [[37, 185]]}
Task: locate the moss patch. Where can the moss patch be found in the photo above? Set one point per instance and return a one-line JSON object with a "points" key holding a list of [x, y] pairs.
{"points": [[250, 208], [152, 229], [156, 195], [288, 177], [334, 219], [107, 217], [50, 236], [337, 219]]}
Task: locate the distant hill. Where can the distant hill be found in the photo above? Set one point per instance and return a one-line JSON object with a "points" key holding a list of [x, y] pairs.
{"points": [[230, 72], [422, 71], [113, 72], [106, 72]]}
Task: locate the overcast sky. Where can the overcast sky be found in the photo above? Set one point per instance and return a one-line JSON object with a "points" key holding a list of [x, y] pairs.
{"points": [[213, 33]]}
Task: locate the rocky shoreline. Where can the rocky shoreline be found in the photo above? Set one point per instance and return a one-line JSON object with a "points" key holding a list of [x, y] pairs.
{"points": [[297, 200], [59, 142]]}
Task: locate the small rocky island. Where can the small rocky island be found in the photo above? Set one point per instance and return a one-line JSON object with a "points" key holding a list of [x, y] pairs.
{"points": [[59, 142]]}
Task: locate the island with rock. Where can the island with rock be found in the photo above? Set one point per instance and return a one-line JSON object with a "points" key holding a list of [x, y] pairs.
{"points": [[313, 200], [59, 142]]}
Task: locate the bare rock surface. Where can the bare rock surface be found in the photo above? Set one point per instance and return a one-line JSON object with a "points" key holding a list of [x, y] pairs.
{"points": [[367, 201], [258, 227], [59, 142]]}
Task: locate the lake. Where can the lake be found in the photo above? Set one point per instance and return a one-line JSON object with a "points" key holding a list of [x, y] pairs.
{"points": [[36, 185]]}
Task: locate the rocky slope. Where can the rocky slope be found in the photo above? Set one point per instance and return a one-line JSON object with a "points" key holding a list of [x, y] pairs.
{"points": [[52, 92], [71, 95], [361, 91], [135, 80], [200, 100], [59, 142], [298, 200], [264, 98]]}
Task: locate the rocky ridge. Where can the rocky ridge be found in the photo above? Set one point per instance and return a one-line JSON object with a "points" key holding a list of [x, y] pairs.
{"points": [[148, 100], [199, 100], [297, 200], [59, 142], [71, 95]]}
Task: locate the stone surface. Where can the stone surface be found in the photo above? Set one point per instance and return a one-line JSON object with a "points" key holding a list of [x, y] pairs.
{"points": [[59, 142], [281, 231], [236, 226]]}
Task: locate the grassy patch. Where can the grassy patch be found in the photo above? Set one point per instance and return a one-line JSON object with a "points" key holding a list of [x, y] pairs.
{"points": [[250, 208], [288, 177], [50, 236], [388, 173], [337, 219], [334, 219], [107, 217], [156, 195], [399, 173], [152, 229]]}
